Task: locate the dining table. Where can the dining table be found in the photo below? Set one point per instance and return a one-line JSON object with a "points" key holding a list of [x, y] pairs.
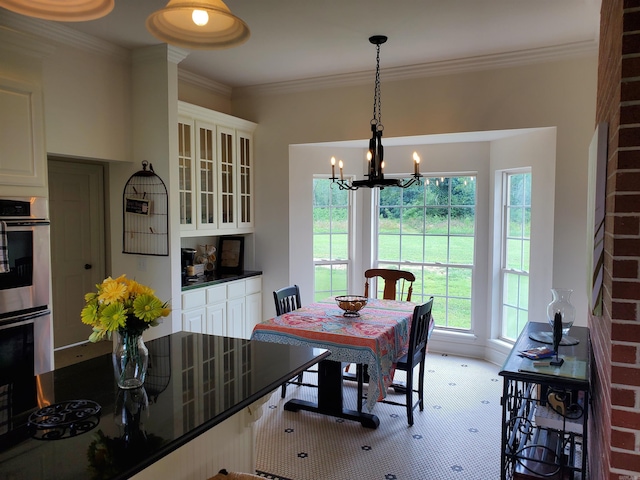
{"points": [[375, 338]]}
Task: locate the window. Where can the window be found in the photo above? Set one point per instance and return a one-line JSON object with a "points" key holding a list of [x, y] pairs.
{"points": [[331, 239], [429, 230], [515, 246]]}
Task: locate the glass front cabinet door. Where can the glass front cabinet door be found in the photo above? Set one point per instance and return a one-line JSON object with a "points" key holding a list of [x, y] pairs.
{"points": [[215, 169]]}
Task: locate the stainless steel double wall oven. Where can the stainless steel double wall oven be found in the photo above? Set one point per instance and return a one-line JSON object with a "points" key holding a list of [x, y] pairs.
{"points": [[25, 316]]}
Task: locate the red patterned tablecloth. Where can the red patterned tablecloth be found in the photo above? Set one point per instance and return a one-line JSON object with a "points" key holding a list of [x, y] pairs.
{"points": [[376, 338]]}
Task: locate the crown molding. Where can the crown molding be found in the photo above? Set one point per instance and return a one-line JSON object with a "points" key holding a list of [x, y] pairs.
{"points": [[56, 32], [204, 82], [433, 69], [23, 43]]}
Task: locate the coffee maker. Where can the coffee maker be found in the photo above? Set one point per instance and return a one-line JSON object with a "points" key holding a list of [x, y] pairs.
{"points": [[188, 256]]}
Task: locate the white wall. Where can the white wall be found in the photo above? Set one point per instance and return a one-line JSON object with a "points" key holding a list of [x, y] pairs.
{"points": [[88, 104], [556, 94]]}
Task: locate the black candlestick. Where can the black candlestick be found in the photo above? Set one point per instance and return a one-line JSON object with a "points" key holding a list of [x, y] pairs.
{"points": [[557, 337]]}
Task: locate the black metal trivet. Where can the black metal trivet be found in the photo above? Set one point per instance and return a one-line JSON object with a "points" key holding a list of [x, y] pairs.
{"points": [[64, 420]]}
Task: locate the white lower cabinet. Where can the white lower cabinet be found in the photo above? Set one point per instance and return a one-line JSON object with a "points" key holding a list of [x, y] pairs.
{"points": [[230, 309]]}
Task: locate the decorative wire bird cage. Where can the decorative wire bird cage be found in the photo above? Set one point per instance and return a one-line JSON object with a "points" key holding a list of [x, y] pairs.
{"points": [[145, 214]]}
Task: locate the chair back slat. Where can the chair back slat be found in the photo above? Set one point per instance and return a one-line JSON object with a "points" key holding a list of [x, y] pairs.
{"points": [[419, 334], [391, 280], [287, 299]]}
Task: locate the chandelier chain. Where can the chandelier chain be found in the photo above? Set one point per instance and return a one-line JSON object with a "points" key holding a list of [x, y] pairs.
{"points": [[377, 98]]}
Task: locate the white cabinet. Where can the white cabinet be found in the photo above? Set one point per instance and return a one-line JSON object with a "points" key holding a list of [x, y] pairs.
{"points": [[229, 309], [193, 311], [23, 157], [216, 322], [215, 171]]}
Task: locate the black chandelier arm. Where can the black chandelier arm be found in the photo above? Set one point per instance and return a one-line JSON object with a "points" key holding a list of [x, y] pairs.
{"points": [[380, 183]]}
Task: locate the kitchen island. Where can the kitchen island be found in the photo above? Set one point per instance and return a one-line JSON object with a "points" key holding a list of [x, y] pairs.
{"points": [[194, 416]]}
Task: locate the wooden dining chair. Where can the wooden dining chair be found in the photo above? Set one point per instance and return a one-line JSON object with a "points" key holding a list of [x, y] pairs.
{"points": [[286, 300], [392, 278], [395, 283], [416, 355]]}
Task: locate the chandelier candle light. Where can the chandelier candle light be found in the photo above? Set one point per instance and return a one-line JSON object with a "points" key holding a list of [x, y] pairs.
{"points": [[375, 154]]}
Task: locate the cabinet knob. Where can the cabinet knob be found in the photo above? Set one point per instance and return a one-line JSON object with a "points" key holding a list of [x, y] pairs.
{"points": [[87, 266]]}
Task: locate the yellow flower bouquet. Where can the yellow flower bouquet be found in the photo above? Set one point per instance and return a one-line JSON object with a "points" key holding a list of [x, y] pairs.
{"points": [[122, 305]]}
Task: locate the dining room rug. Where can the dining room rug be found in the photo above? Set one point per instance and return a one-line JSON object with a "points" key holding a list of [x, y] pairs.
{"points": [[457, 436]]}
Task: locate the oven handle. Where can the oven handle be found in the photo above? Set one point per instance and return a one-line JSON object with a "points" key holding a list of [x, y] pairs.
{"points": [[26, 223], [24, 317]]}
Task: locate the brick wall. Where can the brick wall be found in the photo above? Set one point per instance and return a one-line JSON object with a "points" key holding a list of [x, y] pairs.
{"points": [[614, 443]]}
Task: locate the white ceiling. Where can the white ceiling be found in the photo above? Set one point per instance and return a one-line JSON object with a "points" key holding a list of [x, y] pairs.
{"points": [[302, 39]]}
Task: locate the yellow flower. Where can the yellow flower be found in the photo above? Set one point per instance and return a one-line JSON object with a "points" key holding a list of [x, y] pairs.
{"points": [[147, 308], [89, 314], [121, 304], [113, 317], [112, 291]]}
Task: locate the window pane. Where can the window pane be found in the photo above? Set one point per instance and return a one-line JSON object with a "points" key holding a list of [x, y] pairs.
{"points": [[437, 191], [322, 280], [460, 282], [321, 220], [412, 220], [435, 281], [388, 247], [339, 280], [390, 196], [459, 313], [463, 191], [413, 196], [510, 322], [527, 222], [437, 220], [389, 220], [340, 247], [339, 220], [412, 249], [463, 221], [436, 249], [321, 247], [514, 254], [510, 295], [461, 250], [523, 300], [514, 216]]}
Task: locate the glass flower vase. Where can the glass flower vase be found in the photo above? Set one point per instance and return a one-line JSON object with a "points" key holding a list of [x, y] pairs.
{"points": [[561, 304], [130, 360]]}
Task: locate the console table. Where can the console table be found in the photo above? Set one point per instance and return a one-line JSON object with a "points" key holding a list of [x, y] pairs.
{"points": [[193, 417], [545, 409]]}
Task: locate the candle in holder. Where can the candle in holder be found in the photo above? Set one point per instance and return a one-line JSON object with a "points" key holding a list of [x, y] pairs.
{"points": [[341, 165], [416, 165], [333, 167]]}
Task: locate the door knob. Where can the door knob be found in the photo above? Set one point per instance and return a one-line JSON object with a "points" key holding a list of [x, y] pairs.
{"points": [[87, 266]]}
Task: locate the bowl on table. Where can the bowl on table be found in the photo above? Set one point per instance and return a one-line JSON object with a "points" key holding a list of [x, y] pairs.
{"points": [[351, 304]]}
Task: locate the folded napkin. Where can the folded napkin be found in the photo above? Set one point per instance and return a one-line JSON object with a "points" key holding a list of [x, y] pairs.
{"points": [[4, 249]]}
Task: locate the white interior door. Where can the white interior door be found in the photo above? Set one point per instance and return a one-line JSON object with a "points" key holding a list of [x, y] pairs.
{"points": [[76, 195]]}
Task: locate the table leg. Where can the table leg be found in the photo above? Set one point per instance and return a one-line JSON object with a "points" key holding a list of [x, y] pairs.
{"points": [[330, 401]]}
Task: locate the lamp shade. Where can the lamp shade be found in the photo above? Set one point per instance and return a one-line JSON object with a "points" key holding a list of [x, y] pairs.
{"points": [[175, 25], [60, 10]]}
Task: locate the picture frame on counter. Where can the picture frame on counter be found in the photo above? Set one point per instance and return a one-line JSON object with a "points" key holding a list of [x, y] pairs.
{"points": [[231, 255]]}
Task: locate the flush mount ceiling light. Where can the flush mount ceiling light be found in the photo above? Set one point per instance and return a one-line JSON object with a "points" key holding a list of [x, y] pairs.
{"points": [[200, 24], [60, 10], [375, 154]]}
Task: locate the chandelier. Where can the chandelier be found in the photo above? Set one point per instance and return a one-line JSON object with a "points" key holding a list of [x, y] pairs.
{"points": [[375, 154]]}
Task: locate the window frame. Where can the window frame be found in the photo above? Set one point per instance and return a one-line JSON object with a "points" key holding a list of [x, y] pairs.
{"points": [[506, 174]]}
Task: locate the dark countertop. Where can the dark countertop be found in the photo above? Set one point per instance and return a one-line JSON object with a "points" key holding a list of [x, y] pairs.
{"points": [[215, 278], [135, 434]]}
